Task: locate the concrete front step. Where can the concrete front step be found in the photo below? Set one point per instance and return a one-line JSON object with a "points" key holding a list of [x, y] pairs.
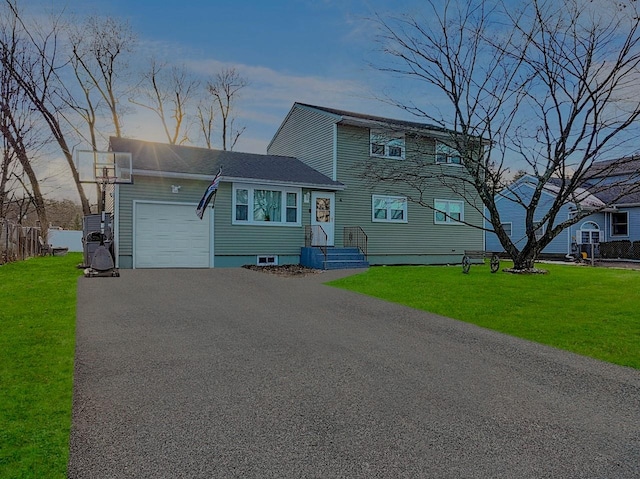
{"points": [[337, 258], [345, 264]]}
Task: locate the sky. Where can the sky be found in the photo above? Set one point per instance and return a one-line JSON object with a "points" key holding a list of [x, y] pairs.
{"points": [[309, 51]]}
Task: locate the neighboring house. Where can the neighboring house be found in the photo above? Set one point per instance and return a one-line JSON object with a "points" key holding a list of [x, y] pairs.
{"points": [[620, 220], [308, 188], [342, 145]]}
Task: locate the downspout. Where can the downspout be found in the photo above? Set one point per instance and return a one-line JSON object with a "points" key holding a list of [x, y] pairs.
{"points": [[334, 167]]}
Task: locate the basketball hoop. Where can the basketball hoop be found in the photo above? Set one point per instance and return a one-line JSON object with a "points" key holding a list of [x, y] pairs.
{"points": [[105, 174], [104, 167]]}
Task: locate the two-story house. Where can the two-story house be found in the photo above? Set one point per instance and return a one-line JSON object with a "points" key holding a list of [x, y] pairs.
{"points": [[309, 191]]}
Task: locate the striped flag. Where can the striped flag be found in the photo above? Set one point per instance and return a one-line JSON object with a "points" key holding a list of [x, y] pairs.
{"points": [[209, 194]]}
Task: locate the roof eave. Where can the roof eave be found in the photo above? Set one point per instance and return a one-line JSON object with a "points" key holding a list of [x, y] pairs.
{"points": [[238, 179]]}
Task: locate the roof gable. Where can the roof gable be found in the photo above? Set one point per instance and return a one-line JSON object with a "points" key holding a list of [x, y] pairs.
{"points": [[581, 196], [373, 121], [176, 160]]}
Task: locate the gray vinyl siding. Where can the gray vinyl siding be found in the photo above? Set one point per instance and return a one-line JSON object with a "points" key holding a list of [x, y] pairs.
{"points": [[307, 135], [229, 239], [419, 237], [236, 239]]}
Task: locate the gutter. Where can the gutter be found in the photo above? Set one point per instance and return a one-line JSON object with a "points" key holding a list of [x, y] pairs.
{"points": [[230, 179]]}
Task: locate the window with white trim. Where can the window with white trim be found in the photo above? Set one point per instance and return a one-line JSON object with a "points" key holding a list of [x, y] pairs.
{"points": [[446, 154], [589, 233], [507, 228], [389, 209], [387, 144], [266, 205], [448, 211], [620, 223], [538, 229]]}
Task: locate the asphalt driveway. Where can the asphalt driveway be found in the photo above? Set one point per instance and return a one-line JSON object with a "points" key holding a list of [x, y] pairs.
{"points": [[231, 373]]}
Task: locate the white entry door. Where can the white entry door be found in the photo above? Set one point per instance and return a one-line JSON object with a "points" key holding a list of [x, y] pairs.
{"points": [[322, 216]]}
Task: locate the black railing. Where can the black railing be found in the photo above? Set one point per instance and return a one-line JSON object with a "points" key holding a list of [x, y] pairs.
{"points": [[315, 235], [355, 237]]}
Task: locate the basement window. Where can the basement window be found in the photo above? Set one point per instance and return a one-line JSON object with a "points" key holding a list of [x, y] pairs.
{"points": [[267, 260]]}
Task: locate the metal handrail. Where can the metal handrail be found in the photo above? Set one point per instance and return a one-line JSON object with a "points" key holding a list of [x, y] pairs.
{"points": [[354, 236], [312, 231]]}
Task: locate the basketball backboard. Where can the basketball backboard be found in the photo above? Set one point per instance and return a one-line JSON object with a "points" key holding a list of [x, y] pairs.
{"points": [[104, 166]]}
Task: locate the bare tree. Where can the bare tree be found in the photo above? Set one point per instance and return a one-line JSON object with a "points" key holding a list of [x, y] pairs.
{"points": [[225, 88], [168, 94], [36, 72], [205, 116], [99, 56], [551, 85], [19, 132]]}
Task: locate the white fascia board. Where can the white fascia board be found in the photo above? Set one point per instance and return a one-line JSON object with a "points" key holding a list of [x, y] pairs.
{"points": [[173, 174], [258, 181], [227, 179]]}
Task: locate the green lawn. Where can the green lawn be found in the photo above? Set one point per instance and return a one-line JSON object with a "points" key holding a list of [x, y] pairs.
{"points": [[590, 311], [37, 340]]}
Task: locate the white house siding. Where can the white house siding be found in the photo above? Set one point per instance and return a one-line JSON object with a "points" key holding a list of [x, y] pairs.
{"points": [[419, 241], [307, 135]]}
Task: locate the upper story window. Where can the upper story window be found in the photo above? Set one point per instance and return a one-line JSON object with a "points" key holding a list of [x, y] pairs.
{"points": [[447, 154], [253, 204], [387, 144]]}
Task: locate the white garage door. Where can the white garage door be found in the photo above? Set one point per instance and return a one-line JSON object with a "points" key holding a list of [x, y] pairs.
{"points": [[169, 235]]}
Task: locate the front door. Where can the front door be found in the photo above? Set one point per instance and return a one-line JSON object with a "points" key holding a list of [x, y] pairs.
{"points": [[322, 220]]}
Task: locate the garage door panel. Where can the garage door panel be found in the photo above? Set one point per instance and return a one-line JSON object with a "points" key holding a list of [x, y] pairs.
{"points": [[171, 236]]}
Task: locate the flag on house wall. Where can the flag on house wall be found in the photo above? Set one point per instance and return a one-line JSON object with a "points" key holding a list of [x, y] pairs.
{"points": [[209, 194]]}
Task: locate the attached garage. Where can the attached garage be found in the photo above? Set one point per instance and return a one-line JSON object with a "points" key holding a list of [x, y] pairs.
{"points": [[170, 235]]}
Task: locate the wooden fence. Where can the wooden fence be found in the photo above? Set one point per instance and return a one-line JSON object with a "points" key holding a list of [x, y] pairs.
{"points": [[19, 242]]}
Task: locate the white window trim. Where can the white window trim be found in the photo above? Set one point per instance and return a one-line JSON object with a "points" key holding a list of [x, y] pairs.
{"points": [[251, 188], [448, 162], [613, 235], [589, 227], [388, 219], [391, 136], [448, 220], [510, 223], [541, 227]]}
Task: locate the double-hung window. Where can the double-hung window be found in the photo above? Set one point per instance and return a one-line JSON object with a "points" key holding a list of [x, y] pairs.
{"points": [[448, 211], [620, 223], [446, 154], [387, 144], [254, 204], [389, 209]]}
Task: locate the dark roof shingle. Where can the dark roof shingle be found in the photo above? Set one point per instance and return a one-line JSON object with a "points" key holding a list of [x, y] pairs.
{"points": [[162, 157]]}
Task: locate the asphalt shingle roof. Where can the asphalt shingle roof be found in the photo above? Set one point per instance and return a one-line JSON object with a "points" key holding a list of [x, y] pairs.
{"points": [[162, 157], [625, 189], [350, 115]]}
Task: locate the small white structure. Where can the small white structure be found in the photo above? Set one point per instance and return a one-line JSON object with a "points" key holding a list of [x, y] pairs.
{"points": [[65, 239]]}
